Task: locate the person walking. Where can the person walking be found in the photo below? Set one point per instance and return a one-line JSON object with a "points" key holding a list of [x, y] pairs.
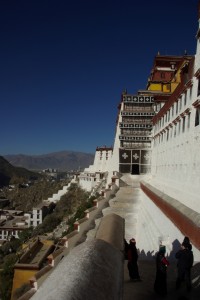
{"points": [[185, 262], [160, 284], [133, 261]]}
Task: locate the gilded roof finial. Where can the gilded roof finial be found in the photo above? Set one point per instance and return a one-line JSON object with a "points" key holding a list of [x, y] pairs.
{"points": [[124, 91], [158, 53]]}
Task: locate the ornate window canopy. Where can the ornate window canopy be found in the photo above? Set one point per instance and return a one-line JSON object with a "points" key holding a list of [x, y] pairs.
{"points": [[196, 103], [197, 74]]}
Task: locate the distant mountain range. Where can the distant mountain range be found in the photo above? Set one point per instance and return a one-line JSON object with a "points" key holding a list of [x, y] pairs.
{"points": [[63, 161], [10, 174]]}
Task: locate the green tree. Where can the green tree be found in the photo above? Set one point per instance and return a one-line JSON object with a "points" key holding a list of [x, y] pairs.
{"points": [[11, 246], [25, 235], [49, 224], [7, 276]]}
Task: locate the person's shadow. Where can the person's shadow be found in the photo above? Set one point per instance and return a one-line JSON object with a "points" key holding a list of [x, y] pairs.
{"points": [[172, 273], [176, 245]]}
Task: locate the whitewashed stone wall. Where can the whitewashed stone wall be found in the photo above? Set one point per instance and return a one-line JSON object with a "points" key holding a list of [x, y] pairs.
{"points": [[154, 228], [175, 159]]}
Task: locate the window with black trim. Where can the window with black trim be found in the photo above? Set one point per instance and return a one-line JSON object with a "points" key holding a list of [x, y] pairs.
{"points": [[188, 124], [185, 98], [176, 107], [172, 110], [191, 92], [167, 134], [175, 130], [197, 116], [183, 128], [198, 90]]}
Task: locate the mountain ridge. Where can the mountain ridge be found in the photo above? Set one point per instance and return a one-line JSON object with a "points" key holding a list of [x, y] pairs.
{"points": [[9, 173], [62, 160]]}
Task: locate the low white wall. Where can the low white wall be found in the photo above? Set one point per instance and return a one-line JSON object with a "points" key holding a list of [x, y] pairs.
{"points": [[154, 227]]}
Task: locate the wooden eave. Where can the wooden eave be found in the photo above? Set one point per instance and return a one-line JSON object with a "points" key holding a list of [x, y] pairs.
{"points": [[167, 60], [104, 148], [197, 73], [187, 111], [181, 88], [196, 103], [161, 97], [189, 83]]}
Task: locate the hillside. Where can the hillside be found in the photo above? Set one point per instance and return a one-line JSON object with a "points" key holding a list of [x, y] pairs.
{"points": [[63, 161], [10, 174]]}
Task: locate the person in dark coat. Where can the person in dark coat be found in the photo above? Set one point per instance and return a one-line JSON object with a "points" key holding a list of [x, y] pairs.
{"points": [[187, 241], [160, 284], [185, 262], [133, 261]]}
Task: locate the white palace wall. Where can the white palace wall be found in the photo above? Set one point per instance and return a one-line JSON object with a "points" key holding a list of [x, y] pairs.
{"points": [[113, 165], [101, 160], [175, 153]]}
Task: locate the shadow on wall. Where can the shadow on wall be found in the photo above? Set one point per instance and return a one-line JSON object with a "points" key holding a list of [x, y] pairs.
{"points": [[149, 255]]}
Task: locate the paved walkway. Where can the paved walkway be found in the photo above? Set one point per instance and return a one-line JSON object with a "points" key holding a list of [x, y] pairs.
{"points": [[127, 204], [144, 290], [128, 198]]}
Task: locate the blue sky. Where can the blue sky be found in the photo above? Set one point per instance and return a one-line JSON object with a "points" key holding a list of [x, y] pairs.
{"points": [[64, 64]]}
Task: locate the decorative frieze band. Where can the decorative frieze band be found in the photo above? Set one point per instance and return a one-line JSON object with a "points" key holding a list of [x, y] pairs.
{"points": [[134, 138], [134, 125], [151, 114], [138, 99]]}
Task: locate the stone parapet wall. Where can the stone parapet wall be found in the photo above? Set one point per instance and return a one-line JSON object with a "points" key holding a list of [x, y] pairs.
{"points": [[92, 270], [77, 236], [111, 230]]}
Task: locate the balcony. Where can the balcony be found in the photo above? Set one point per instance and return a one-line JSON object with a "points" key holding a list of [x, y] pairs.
{"points": [[125, 132], [137, 113], [138, 109], [138, 121], [135, 138], [129, 145], [136, 124]]}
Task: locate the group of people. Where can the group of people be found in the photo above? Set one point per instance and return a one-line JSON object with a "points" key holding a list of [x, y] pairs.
{"points": [[184, 258], [185, 261]]}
